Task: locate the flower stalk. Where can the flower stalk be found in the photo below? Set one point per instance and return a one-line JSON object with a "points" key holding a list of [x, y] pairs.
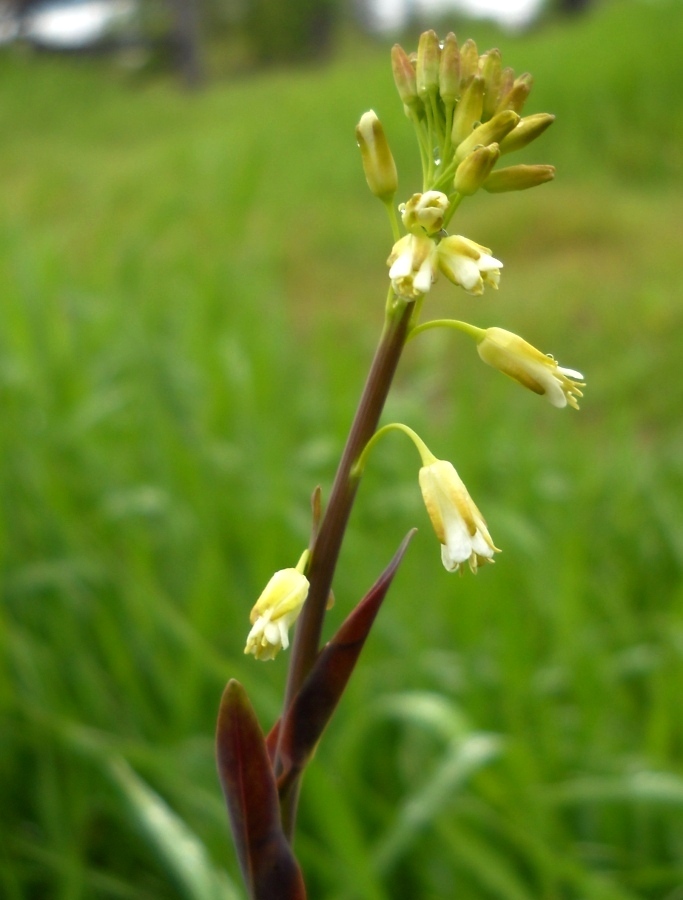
{"points": [[327, 545], [466, 111], [325, 550]]}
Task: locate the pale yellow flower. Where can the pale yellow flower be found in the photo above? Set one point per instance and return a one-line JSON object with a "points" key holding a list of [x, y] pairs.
{"points": [[458, 524], [468, 264], [513, 356], [416, 261], [412, 266], [275, 611]]}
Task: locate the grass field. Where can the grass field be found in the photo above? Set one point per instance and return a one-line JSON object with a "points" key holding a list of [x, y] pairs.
{"points": [[191, 289]]}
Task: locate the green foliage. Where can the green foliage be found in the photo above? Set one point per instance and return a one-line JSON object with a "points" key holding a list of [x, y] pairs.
{"points": [[290, 32], [191, 290]]}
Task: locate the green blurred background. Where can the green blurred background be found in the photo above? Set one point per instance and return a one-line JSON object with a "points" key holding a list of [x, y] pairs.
{"points": [[191, 289]]}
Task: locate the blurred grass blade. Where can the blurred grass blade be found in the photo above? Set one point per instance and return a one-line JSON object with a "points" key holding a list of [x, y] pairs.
{"points": [[654, 788], [487, 862], [182, 852], [269, 867], [461, 759], [431, 711], [317, 700]]}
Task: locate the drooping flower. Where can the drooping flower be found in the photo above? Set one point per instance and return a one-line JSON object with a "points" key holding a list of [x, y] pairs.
{"points": [[457, 522], [276, 610], [412, 265], [518, 359], [468, 264]]}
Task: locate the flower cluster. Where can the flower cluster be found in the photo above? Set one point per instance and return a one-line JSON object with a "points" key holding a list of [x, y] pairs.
{"points": [[416, 260], [467, 112], [469, 107]]}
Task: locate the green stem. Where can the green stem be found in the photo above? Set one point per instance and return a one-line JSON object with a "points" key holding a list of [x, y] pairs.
{"points": [[423, 144], [455, 201], [470, 330], [390, 207], [422, 449], [325, 551]]}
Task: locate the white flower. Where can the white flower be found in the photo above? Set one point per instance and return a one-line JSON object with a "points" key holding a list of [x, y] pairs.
{"points": [[513, 356], [458, 524], [412, 266], [424, 212], [275, 611], [416, 260], [468, 264]]}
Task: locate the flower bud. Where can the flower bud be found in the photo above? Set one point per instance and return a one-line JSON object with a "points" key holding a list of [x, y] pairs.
{"points": [[489, 133], [468, 110], [449, 70], [528, 129], [515, 98], [378, 163], [424, 212], [404, 76], [491, 69], [475, 169], [469, 61], [517, 178], [427, 70], [507, 79]]}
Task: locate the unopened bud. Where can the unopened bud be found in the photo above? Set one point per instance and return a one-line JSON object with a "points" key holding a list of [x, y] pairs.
{"points": [[527, 130], [469, 61], [490, 132], [427, 71], [517, 178], [515, 98], [475, 169], [449, 70], [507, 79], [491, 69], [468, 110], [424, 212], [404, 76], [378, 163]]}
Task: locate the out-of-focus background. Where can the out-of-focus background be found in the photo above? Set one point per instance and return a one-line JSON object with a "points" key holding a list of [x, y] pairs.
{"points": [[191, 288]]}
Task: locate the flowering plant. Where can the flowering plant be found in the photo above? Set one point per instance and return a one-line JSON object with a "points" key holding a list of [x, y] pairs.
{"points": [[466, 110]]}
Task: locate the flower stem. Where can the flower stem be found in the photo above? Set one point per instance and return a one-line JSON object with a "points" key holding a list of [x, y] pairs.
{"points": [[476, 333], [325, 551]]}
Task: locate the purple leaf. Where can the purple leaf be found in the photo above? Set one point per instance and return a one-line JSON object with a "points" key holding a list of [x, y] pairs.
{"points": [[320, 693], [272, 738], [268, 865]]}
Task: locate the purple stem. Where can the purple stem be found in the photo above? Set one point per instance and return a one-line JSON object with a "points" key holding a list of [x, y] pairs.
{"points": [[328, 543]]}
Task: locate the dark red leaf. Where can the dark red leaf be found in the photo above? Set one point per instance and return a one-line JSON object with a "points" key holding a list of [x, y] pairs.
{"points": [[317, 511], [320, 693], [269, 867], [272, 738]]}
